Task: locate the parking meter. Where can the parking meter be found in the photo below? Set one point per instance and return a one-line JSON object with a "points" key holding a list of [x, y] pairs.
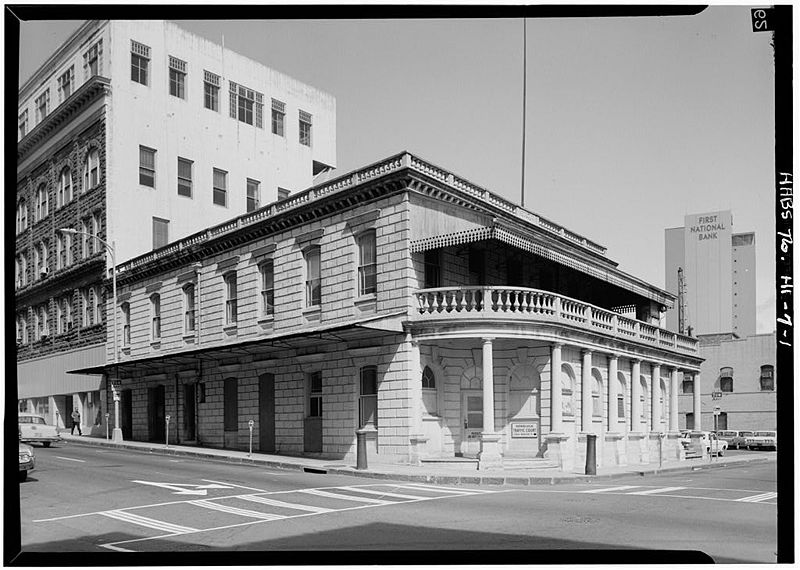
{"points": [[250, 425], [167, 441]]}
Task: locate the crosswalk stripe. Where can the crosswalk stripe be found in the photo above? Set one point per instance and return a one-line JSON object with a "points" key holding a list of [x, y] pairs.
{"points": [[443, 489], [274, 503], [340, 496], [236, 511], [386, 494], [758, 498], [655, 491], [147, 522], [608, 489]]}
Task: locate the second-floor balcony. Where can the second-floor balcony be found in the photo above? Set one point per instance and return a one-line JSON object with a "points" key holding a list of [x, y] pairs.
{"points": [[535, 305]]}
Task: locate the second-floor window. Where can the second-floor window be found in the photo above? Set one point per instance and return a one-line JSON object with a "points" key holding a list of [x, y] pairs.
{"points": [[188, 308], [140, 62], [22, 216], [147, 166], [40, 259], [90, 307], [220, 187], [252, 194], [767, 380], [23, 124], [160, 232], [42, 106], [305, 128], [177, 77], [126, 323], [42, 202], [155, 317], [184, 177], [726, 379], [42, 328], [313, 281], [231, 299], [64, 307], [91, 172], [66, 84], [278, 117], [367, 266], [432, 269], [267, 272], [246, 105], [211, 84], [64, 196], [63, 250], [22, 272]]}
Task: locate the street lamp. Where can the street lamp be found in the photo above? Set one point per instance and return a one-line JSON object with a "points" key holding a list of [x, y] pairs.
{"points": [[117, 433]]}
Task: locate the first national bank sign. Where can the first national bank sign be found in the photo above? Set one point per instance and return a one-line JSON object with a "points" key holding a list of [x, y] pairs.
{"points": [[707, 227]]}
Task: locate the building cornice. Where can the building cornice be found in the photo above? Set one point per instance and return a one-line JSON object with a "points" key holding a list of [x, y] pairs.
{"points": [[85, 95]]}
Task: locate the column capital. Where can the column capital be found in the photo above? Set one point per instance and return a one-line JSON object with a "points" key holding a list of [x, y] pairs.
{"points": [[557, 345], [487, 339], [585, 351], [612, 356], [635, 360]]}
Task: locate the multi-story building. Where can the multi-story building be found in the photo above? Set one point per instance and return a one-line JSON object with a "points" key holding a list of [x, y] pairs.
{"points": [[738, 378], [131, 135], [719, 307], [405, 301], [719, 275]]}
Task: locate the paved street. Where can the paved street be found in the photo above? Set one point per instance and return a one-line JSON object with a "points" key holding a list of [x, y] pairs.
{"points": [[105, 500]]}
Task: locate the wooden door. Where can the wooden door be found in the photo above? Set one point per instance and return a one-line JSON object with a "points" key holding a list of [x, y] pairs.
{"points": [[266, 413]]}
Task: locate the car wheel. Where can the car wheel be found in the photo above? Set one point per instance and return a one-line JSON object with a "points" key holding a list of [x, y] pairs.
{"points": [[23, 475], [46, 443], [720, 453]]}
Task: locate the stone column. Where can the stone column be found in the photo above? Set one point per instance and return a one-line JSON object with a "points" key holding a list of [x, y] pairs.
{"points": [[611, 390], [586, 392], [415, 433], [655, 391], [556, 424], [696, 408], [636, 389], [673, 401], [489, 456]]}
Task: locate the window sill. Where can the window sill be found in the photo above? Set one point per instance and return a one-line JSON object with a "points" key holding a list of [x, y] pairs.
{"points": [[366, 302], [190, 336], [266, 320], [231, 329], [314, 309], [155, 344], [126, 349]]}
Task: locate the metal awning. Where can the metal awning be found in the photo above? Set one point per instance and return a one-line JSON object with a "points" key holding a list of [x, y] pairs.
{"points": [[353, 329]]}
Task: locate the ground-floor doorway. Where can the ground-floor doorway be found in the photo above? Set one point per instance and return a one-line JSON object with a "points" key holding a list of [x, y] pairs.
{"points": [[472, 422], [266, 413], [156, 412], [189, 412]]}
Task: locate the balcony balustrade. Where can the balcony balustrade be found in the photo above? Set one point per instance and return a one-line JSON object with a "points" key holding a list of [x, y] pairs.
{"points": [[543, 306]]}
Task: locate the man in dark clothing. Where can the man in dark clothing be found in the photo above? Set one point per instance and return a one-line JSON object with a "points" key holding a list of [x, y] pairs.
{"points": [[76, 422]]}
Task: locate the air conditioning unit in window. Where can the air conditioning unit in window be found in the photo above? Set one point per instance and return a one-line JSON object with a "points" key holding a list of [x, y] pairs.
{"points": [[43, 272]]}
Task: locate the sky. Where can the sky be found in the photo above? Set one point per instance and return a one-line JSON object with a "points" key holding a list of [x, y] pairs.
{"points": [[631, 123]]}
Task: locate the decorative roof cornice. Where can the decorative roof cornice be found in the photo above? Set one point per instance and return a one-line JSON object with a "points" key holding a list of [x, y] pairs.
{"points": [[86, 94]]}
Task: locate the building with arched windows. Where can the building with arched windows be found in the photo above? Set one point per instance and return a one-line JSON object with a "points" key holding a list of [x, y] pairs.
{"points": [[403, 300], [134, 134]]}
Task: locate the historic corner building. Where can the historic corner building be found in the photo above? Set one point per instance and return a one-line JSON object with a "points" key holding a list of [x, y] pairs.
{"points": [[135, 134], [717, 291], [400, 299]]}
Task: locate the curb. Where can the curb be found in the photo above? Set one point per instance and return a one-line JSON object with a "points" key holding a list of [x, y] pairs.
{"points": [[481, 480]]}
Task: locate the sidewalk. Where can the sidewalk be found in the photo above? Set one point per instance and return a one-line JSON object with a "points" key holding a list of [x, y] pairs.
{"points": [[445, 474]]}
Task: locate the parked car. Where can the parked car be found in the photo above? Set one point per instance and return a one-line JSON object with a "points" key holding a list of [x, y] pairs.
{"points": [[763, 440], [739, 439], [27, 460], [34, 429], [709, 441]]}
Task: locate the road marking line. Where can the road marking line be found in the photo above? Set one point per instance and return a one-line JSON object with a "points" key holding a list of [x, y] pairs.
{"points": [[386, 494], [235, 485], [443, 489], [274, 503], [654, 491], [607, 489], [117, 548], [70, 459], [148, 522], [328, 494], [758, 498], [236, 511]]}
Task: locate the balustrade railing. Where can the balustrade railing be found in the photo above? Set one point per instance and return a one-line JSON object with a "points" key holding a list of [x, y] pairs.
{"points": [[497, 302]]}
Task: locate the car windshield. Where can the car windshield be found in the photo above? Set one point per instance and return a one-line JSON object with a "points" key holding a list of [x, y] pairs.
{"points": [[765, 433], [745, 433]]}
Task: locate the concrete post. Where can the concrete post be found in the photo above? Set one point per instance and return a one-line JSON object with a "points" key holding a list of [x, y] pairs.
{"points": [[611, 390], [673, 401], [696, 407], [555, 389], [636, 389], [655, 391], [586, 391], [488, 386]]}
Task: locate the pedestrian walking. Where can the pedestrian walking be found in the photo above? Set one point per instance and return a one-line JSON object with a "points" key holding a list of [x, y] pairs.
{"points": [[76, 422]]}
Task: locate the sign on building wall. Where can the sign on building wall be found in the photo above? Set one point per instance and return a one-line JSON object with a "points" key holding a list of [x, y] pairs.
{"points": [[524, 430]]}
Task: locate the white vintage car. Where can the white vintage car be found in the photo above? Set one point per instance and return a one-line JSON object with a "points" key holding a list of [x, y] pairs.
{"points": [[763, 440], [34, 429], [698, 440]]}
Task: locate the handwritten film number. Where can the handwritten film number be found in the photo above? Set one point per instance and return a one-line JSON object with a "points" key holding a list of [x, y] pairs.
{"points": [[760, 23]]}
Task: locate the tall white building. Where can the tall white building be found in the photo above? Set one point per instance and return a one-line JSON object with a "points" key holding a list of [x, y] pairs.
{"points": [[137, 134], [719, 273]]}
